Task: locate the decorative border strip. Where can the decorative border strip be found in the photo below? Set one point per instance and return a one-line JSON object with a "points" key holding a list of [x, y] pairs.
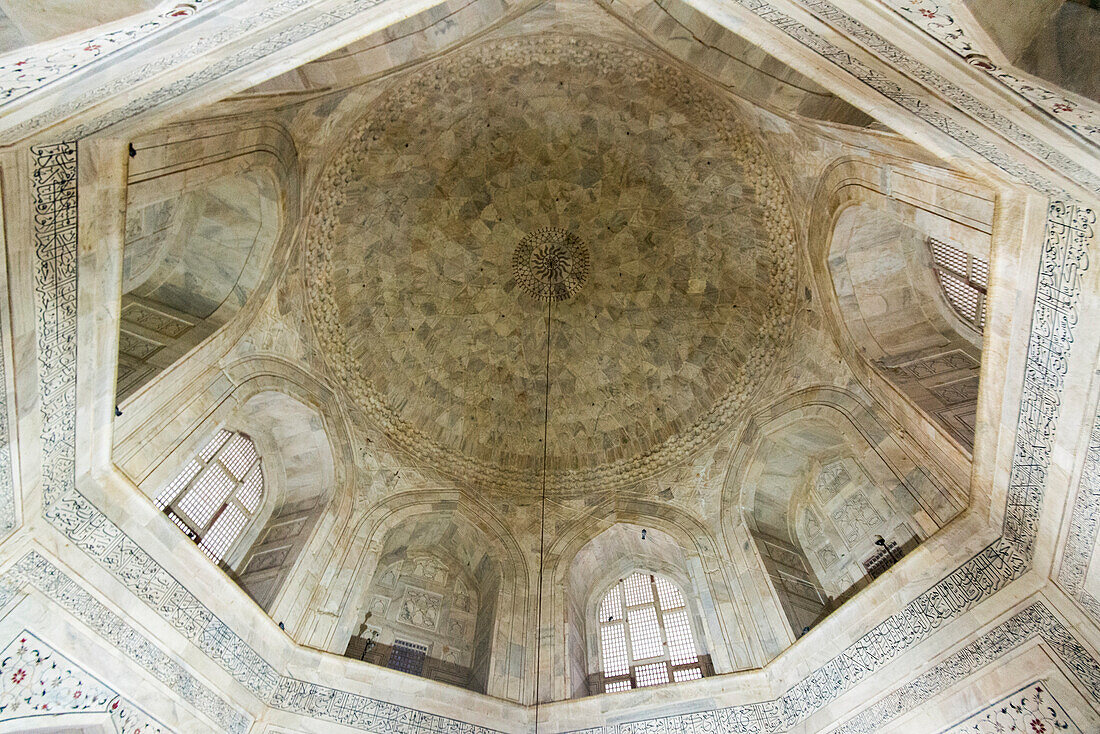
{"points": [[56, 686], [247, 26], [36, 571], [90, 530], [1034, 621], [31, 68], [1083, 529], [761, 8], [931, 17], [7, 476], [55, 233], [965, 101]]}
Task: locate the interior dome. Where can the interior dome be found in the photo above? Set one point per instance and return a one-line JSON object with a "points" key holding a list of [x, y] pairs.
{"points": [[542, 182]]}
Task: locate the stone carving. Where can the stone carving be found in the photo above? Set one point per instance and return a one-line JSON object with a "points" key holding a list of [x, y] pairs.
{"points": [[965, 101], [856, 517], [1069, 233], [330, 292], [831, 479], [550, 264], [430, 569], [940, 364], [389, 578], [935, 18], [147, 318], [420, 608], [1084, 522], [812, 521], [271, 558], [55, 234], [136, 346], [827, 556], [284, 530], [1032, 709], [35, 570], [462, 596], [954, 393], [35, 679]]}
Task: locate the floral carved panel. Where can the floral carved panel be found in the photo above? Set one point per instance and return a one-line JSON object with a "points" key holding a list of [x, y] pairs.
{"points": [[36, 680], [1032, 709]]}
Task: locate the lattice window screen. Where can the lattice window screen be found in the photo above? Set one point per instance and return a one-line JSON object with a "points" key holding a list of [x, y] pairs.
{"points": [[645, 635], [216, 494], [964, 279]]}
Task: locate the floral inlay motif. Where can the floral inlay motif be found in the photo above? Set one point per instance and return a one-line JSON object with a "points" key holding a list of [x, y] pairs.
{"points": [[36, 680], [1030, 710], [936, 18]]}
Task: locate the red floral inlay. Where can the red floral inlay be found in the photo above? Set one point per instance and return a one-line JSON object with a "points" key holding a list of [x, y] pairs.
{"points": [[18, 676], [1037, 726], [76, 694], [928, 13], [1063, 107]]}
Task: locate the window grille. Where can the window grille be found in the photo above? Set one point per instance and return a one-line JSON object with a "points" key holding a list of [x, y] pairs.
{"points": [[964, 279], [216, 494], [408, 657], [645, 635]]}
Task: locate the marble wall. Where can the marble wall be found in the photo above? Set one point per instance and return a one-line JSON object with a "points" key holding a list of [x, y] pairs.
{"points": [[932, 645]]}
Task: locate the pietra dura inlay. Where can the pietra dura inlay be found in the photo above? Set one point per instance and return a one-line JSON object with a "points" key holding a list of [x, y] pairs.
{"points": [[1070, 232]]}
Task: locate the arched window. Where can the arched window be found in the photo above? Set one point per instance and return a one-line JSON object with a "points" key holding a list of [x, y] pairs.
{"points": [[645, 635], [217, 493], [964, 279]]}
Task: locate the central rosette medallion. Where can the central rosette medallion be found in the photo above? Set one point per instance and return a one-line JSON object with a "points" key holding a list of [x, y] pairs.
{"points": [[499, 179], [550, 264]]}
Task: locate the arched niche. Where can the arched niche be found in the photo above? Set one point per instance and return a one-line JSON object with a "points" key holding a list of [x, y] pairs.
{"points": [[202, 225], [815, 482], [870, 245], [435, 592], [726, 631], [300, 479], [335, 587], [601, 563], [302, 441]]}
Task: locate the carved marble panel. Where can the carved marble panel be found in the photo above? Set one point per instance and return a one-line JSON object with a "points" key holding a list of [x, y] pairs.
{"points": [[1030, 710], [36, 680], [856, 517], [420, 608]]}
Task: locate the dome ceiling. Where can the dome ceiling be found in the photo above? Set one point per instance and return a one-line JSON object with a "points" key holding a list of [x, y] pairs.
{"points": [[548, 181]]}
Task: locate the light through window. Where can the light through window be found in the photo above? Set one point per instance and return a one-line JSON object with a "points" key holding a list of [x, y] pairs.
{"points": [[645, 635], [215, 495], [964, 279]]}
